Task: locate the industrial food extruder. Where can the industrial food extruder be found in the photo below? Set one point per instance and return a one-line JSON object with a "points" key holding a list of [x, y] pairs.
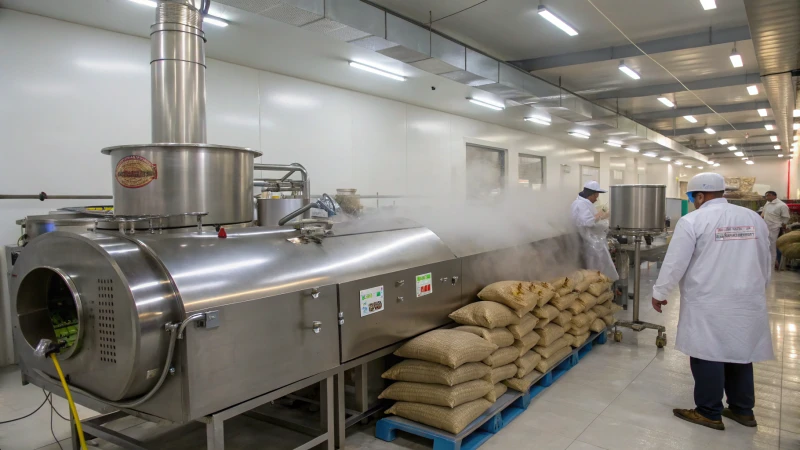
{"points": [[177, 307]]}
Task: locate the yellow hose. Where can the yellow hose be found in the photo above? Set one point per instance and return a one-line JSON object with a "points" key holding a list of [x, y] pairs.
{"points": [[69, 400]]}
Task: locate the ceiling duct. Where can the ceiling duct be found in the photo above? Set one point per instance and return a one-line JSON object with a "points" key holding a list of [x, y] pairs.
{"points": [[776, 38]]}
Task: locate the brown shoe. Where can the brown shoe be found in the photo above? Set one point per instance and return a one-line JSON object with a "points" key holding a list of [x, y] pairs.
{"points": [[748, 421], [691, 415]]}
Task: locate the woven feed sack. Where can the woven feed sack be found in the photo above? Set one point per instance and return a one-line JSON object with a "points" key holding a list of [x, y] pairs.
{"points": [[588, 300], [436, 394], [597, 326], [581, 320], [543, 292], [452, 420], [501, 373], [580, 339], [525, 326], [427, 372], [615, 308], [451, 348], [792, 237], [485, 314], [577, 331], [546, 312], [526, 363], [591, 315], [605, 297], [500, 337], [563, 320], [791, 251], [569, 338], [548, 363], [576, 277], [563, 302], [551, 349], [526, 343], [541, 324], [597, 289], [524, 383], [502, 356], [609, 319], [516, 295], [589, 277], [601, 310], [563, 285], [549, 334], [576, 307], [496, 392]]}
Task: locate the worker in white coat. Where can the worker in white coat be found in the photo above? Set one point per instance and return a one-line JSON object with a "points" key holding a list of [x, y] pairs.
{"points": [[719, 256], [593, 228], [776, 214]]}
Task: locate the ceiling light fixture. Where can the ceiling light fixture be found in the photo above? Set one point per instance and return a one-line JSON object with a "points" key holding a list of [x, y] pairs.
{"points": [[716, 164], [613, 143], [630, 149], [745, 158], [710, 131], [776, 147], [739, 153], [722, 142], [678, 163], [666, 101], [149, 3], [769, 127], [700, 167], [752, 89], [773, 138], [555, 20], [650, 154], [780, 156], [796, 126], [211, 20], [486, 104], [732, 148], [377, 71], [796, 113], [540, 120], [708, 4], [690, 119], [749, 162], [688, 166], [736, 58], [628, 71], [579, 134], [665, 158], [762, 112]]}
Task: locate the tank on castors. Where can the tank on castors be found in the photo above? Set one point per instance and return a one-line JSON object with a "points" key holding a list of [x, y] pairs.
{"points": [[638, 208]]}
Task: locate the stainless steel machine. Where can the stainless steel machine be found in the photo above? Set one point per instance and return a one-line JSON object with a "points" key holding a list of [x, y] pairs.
{"points": [[176, 308], [637, 211]]}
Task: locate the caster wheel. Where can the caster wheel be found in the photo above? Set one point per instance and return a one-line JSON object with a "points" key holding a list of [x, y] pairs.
{"points": [[661, 342], [618, 336]]}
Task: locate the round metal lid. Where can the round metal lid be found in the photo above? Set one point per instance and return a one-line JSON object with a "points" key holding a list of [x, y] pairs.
{"points": [[108, 150]]}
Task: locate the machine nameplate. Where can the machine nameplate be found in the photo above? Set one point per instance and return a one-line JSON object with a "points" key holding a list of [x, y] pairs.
{"points": [[372, 301], [424, 284], [135, 171]]}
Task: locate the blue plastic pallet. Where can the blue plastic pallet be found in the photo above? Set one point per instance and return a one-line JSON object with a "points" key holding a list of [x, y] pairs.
{"points": [[507, 408]]}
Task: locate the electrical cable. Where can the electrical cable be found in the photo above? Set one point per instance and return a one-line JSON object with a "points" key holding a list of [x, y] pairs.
{"points": [[50, 400], [27, 415], [457, 12], [51, 427], [659, 65]]}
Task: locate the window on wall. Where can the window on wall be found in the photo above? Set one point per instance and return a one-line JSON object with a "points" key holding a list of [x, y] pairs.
{"points": [[589, 173], [486, 171], [531, 171], [617, 176]]}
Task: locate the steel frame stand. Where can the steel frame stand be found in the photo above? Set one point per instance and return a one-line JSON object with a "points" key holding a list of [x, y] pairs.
{"points": [[636, 324]]}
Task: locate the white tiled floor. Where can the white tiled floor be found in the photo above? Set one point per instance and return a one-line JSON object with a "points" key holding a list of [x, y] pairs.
{"points": [[619, 397]]}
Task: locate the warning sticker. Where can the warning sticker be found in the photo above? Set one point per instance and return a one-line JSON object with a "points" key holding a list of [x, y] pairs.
{"points": [[424, 284], [735, 233], [372, 301]]}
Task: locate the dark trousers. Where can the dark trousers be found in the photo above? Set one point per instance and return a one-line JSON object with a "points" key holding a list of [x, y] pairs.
{"points": [[711, 378]]}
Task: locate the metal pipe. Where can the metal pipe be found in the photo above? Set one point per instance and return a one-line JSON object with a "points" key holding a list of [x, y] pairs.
{"points": [[178, 73], [42, 196], [292, 168], [637, 275], [295, 213]]}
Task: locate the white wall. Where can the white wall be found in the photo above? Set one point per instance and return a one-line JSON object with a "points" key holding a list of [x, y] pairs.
{"points": [[772, 173]]}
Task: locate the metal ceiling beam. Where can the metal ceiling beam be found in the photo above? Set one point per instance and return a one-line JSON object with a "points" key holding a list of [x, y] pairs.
{"points": [[659, 89], [717, 128], [700, 110], [724, 149], [670, 44]]}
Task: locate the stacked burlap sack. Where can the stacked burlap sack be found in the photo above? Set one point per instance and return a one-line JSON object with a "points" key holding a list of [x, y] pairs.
{"points": [[789, 245], [589, 302]]}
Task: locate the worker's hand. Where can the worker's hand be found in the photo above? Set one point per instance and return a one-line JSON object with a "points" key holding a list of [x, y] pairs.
{"points": [[658, 303]]}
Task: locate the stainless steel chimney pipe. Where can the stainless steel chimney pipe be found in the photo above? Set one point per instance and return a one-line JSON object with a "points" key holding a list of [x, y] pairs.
{"points": [[178, 73]]}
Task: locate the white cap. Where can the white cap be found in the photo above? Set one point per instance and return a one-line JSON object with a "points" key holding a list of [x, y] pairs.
{"points": [[594, 186], [706, 182]]}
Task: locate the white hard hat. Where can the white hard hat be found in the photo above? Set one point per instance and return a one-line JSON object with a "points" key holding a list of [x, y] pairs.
{"points": [[706, 182], [594, 186]]}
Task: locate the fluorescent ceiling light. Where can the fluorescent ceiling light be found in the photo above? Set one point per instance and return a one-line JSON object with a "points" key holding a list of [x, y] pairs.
{"points": [[628, 71], [211, 20], [732, 148], [630, 149], [749, 162], [796, 126], [776, 147], [613, 143], [376, 71], [700, 167], [794, 138], [722, 141], [552, 18], [666, 101], [716, 164], [769, 127], [149, 3], [745, 158], [796, 113], [736, 59], [780, 156], [752, 90], [688, 166], [486, 105], [773, 138], [690, 119], [710, 131], [539, 120], [665, 158], [678, 163], [762, 112], [579, 134], [708, 4], [650, 154], [739, 153]]}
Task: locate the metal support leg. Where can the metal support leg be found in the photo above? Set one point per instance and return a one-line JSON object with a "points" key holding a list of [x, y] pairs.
{"points": [[362, 394], [637, 275], [328, 411], [341, 415], [215, 433]]}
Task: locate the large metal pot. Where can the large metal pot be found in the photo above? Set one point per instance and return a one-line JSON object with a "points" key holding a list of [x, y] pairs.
{"points": [[638, 208], [41, 224]]}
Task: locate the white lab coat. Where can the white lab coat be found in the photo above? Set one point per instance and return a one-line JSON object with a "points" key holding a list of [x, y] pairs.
{"points": [[720, 256], [776, 214], [593, 235]]}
